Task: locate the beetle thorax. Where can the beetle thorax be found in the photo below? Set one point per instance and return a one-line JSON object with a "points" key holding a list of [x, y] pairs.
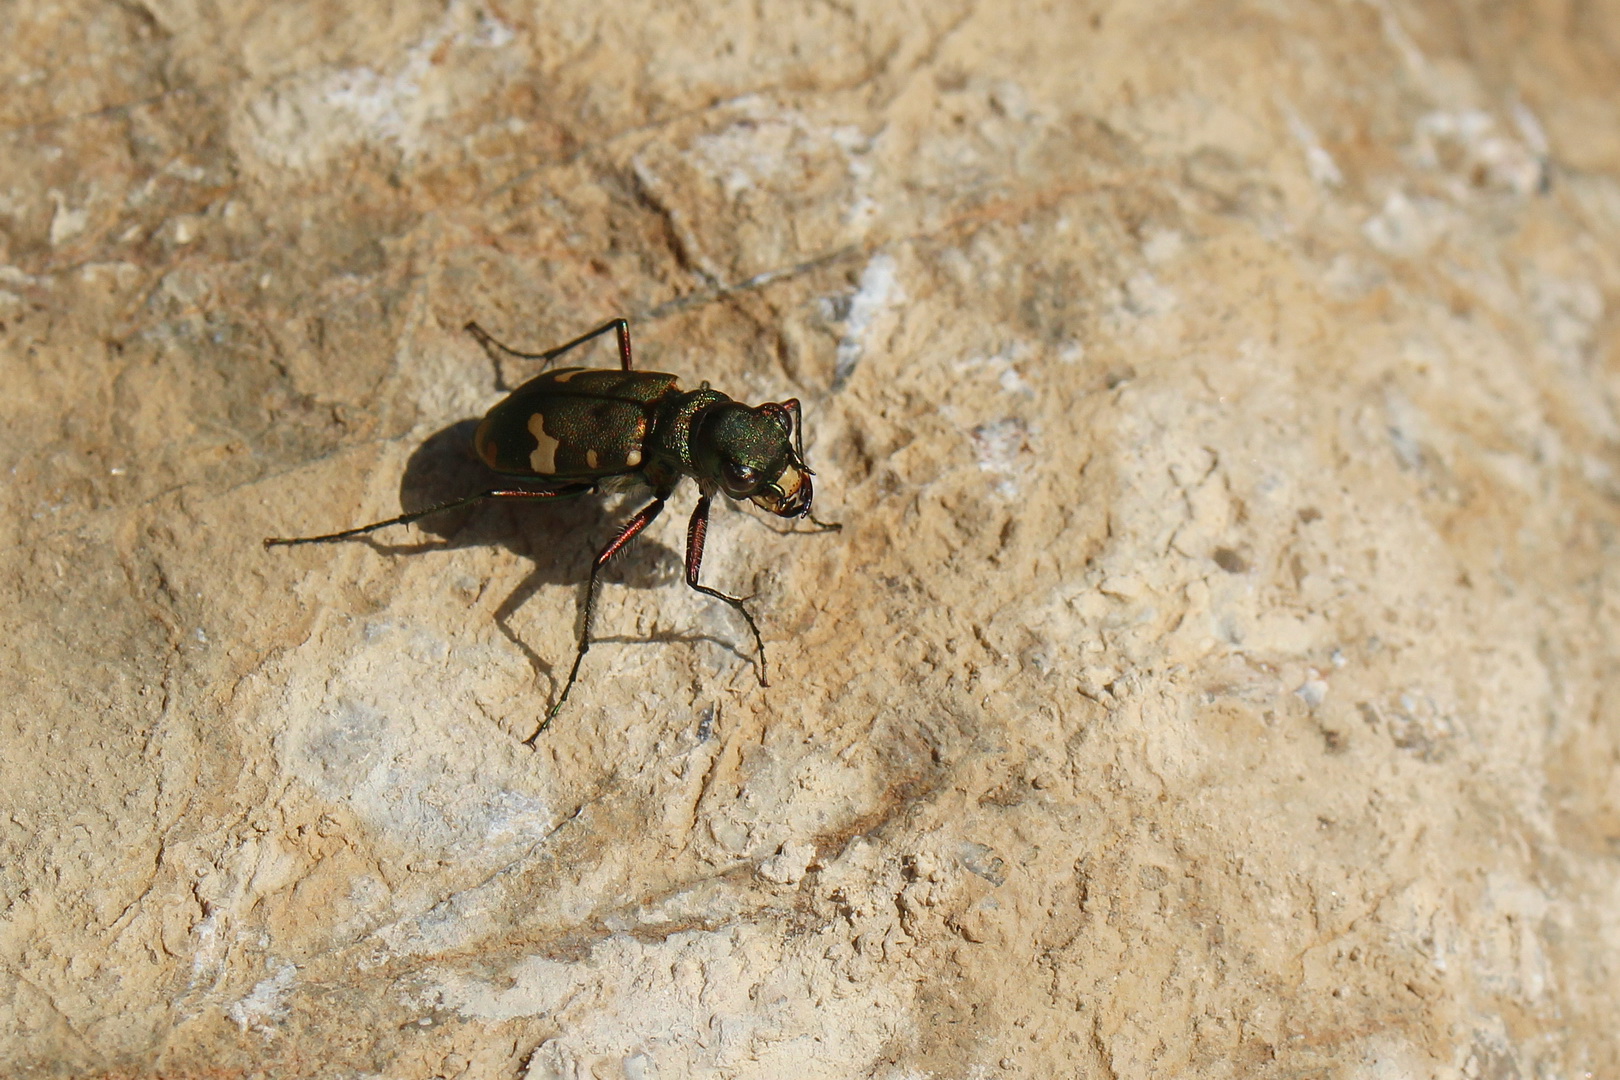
{"points": [[671, 439]]}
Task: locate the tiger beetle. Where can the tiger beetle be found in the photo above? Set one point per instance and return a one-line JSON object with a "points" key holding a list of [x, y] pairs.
{"points": [[578, 431]]}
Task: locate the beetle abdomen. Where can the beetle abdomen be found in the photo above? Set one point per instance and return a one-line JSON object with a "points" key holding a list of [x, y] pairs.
{"points": [[573, 424]]}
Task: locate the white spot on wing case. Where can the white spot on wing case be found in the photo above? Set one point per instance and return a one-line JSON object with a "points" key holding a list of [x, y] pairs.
{"points": [[543, 459]]}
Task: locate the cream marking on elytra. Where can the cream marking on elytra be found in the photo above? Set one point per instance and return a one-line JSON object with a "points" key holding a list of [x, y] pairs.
{"points": [[544, 457], [565, 375], [632, 459], [590, 459]]}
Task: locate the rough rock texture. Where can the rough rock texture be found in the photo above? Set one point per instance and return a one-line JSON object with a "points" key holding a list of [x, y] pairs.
{"points": [[1215, 675]]}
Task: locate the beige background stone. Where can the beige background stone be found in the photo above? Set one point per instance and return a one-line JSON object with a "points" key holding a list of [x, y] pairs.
{"points": [[1215, 675]]}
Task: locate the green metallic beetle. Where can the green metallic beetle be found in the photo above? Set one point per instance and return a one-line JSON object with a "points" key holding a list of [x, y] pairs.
{"points": [[581, 430]]}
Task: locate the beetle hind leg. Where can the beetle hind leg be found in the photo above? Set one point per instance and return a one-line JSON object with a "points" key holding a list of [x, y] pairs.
{"points": [[566, 492]]}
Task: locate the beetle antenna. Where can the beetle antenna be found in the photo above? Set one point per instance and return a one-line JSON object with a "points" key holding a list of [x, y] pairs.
{"points": [[793, 529]]}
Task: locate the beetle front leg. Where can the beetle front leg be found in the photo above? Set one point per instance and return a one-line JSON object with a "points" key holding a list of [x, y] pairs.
{"points": [[696, 531], [631, 530]]}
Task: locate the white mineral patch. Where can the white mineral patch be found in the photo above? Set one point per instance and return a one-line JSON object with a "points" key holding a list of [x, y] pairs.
{"points": [[879, 291], [267, 1003]]}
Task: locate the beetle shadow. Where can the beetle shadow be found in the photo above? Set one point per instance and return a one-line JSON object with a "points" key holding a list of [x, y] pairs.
{"points": [[559, 539]]}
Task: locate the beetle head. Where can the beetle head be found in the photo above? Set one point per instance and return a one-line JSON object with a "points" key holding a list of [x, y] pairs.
{"points": [[754, 453]]}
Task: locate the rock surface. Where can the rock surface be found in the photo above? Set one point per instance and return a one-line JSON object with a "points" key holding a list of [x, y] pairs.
{"points": [[1215, 674]]}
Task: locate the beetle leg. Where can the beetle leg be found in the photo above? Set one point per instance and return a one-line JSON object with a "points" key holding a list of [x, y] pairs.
{"points": [[631, 530], [417, 515], [622, 326], [696, 531], [820, 526]]}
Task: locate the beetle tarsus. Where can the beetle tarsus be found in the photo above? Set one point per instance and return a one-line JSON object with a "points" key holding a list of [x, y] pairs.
{"points": [[550, 715]]}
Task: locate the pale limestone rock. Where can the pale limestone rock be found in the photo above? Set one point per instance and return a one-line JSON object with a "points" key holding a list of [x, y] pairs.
{"points": [[1215, 674]]}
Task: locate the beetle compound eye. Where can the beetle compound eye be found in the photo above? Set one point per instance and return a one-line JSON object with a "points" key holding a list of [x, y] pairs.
{"points": [[779, 413], [739, 477]]}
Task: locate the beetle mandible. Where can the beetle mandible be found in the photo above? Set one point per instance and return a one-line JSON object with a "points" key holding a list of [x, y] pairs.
{"points": [[577, 431]]}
